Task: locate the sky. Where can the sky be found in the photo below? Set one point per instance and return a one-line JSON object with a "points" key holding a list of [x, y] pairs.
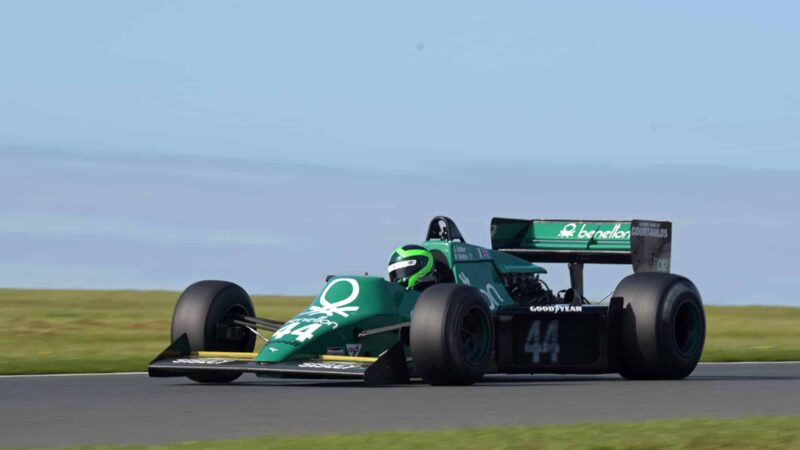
{"points": [[146, 145]]}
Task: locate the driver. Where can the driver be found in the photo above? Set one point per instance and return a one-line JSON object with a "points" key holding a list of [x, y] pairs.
{"points": [[409, 264]]}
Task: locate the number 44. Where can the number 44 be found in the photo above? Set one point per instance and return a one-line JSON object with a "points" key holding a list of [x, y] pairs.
{"points": [[549, 345], [302, 333]]}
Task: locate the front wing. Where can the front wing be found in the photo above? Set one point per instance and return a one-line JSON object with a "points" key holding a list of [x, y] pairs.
{"points": [[177, 360]]}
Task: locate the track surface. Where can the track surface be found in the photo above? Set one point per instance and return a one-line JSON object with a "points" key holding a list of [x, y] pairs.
{"points": [[131, 409]]}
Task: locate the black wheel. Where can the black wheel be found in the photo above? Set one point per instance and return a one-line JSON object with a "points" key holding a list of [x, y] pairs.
{"points": [[663, 326], [204, 312], [452, 335]]}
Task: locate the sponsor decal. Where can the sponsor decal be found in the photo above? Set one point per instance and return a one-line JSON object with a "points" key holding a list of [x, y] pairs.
{"points": [[272, 349], [337, 351], [206, 361], [319, 320], [568, 231], [353, 349], [617, 233], [491, 294], [330, 365], [555, 309], [649, 229], [321, 315]]}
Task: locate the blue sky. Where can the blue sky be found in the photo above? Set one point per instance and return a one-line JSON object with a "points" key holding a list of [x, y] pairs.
{"points": [[149, 144]]}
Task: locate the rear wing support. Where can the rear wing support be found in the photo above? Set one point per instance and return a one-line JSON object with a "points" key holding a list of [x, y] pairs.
{"points": [[576, 281]]}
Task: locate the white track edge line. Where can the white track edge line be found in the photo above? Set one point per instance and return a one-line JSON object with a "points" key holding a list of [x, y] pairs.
{"points": [[42, 375]]}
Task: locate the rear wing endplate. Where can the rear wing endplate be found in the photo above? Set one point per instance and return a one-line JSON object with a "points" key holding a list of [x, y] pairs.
{"points": [[645, 244]]}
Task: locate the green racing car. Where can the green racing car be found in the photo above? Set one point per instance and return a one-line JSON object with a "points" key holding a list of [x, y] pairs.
{"points": [[451, 312]]}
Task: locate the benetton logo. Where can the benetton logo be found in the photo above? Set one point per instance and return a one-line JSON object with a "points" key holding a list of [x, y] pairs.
{"points": [[569, 230]]}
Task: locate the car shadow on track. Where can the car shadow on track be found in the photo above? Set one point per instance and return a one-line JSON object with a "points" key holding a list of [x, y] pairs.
{"points": [[502, 381]]}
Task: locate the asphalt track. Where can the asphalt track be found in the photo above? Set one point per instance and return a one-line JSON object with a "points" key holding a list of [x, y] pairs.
{"points": [[135, 409]]}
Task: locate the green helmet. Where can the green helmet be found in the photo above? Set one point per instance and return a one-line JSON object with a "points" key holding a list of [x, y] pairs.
{"points": [[408, 264]]}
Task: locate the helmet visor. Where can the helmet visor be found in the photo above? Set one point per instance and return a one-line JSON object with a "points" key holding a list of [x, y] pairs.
{"points": [[402, 269]]}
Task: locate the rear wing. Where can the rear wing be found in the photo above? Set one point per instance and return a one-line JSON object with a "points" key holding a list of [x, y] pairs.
{"points": [[645, 244]]}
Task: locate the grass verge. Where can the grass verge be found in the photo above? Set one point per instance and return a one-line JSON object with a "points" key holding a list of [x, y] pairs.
{"points": [[694, 433], [752, 333], [73, 331], [63, 331]]}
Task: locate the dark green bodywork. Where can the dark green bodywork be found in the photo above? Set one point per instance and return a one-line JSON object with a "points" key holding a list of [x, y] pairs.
{"points": [[335, 317], [348, 305]]}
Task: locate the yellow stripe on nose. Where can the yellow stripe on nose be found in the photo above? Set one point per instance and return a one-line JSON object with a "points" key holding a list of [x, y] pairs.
{"points": [[368, 359], [249, 356]]}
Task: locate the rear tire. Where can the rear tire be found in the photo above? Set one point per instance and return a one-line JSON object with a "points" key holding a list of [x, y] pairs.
{"points": [[663, 326], [203, 313], [452, 335]]}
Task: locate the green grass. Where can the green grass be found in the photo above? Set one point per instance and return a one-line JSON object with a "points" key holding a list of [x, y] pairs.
{"points": [[61, 331], [752, 333], [695, 433]]}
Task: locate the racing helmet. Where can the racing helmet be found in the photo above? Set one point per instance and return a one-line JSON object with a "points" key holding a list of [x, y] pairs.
{"points": [[408, 264]]}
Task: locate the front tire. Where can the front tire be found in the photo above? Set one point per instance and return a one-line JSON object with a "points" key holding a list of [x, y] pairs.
{"points": [[663, 326], [204, 312], [452, 335]]}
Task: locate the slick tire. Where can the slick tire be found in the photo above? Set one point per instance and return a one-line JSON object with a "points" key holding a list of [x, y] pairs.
{"points": [[203, 313], [452, 335], [663, 326]]}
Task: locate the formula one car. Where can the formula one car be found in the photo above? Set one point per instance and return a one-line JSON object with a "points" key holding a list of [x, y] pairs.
{"points": [[452, 312]]}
